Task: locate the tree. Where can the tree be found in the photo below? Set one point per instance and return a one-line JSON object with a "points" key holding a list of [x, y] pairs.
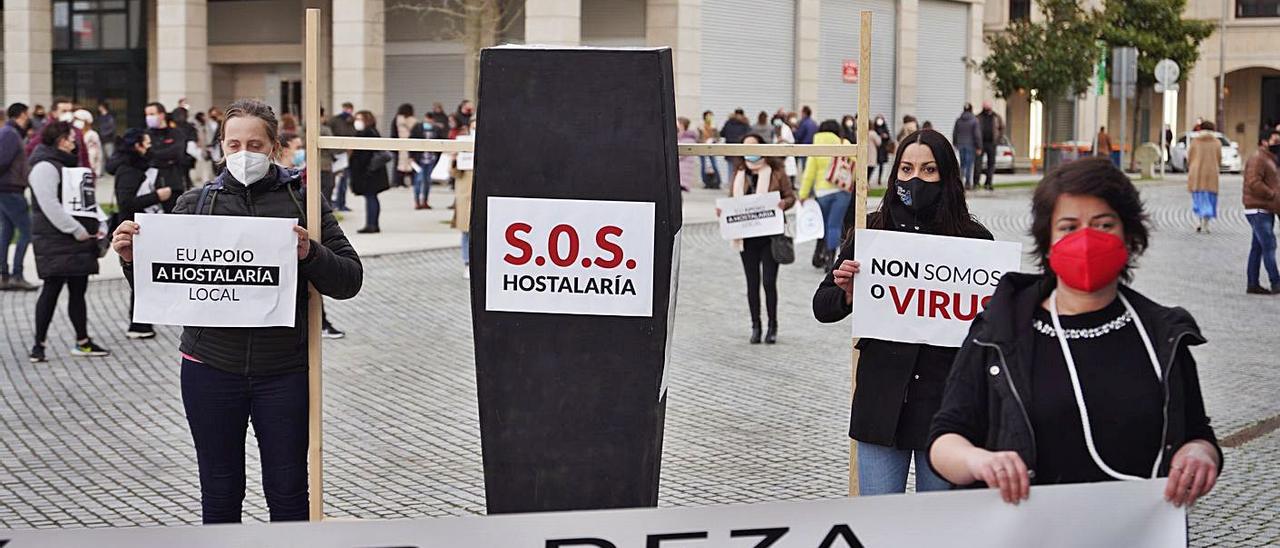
{"points": [[476, 24], [1156, 28], [1052, 58]]}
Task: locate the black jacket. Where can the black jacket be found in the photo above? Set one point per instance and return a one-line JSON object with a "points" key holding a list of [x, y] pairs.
{"points": [[363, 180], [58, 253], [899, 385], [13, 159], [168, 154], [333, 268], [130, 170], [988, 393]]}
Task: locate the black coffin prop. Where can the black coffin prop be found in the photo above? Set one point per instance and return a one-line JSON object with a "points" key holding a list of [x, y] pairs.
{"points": [[571, 406]]}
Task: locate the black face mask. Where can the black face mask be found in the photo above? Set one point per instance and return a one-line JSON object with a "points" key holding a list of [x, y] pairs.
{"points": [[1275, 150], [917, 202]]}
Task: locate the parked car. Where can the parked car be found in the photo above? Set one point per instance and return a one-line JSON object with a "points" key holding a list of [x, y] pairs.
{"points": [[1004, 156], [1231, 161]]}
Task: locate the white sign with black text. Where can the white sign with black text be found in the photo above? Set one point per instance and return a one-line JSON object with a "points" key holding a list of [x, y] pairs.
{"points": [[919, 288], [750, 216], [79, 193], [557, 256], [215, 270]]}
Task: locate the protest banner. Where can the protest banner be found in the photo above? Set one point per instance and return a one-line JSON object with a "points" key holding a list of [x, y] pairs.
{"points": [[569, 256], [809, 223], [919, 288], [1132, 514], [215, 270], [79, 193], [750, 216]]}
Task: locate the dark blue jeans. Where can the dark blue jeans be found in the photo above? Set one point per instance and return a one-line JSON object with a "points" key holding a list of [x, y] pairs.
{"points": [[219, 407], [1263, 249], [372, 209], [340, 195], [15, 216]]}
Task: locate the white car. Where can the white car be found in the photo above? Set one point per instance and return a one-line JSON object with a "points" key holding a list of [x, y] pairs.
{"points": [[1004, 156], [1231, 161]]}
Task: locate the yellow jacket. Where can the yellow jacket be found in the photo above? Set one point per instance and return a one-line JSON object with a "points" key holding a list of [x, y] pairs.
{"points": [[816, 167]]}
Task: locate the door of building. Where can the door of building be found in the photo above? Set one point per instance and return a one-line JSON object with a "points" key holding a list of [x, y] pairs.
{"points": [[1270, 103]]}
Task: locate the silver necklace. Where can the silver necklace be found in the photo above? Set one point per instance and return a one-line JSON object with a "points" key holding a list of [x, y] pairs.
{"points": [[1087, 333]]}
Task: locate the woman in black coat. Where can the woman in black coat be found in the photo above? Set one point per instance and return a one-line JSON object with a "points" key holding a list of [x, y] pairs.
{"points": [[65, 245], [1070, 376], [899, 385], [136, 192], [368, 169]]}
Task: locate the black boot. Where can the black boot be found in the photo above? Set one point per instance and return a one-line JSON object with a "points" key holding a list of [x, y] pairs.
{"points": [[771, 336], [819, 254], [755, 334]]}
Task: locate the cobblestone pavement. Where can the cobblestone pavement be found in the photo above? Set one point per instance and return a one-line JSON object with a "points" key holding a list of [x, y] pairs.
{"points": [[104, 442]]}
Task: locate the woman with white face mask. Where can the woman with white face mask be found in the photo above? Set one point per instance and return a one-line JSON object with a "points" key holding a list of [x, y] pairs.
{"points": [[368, 171], [233, 375]]}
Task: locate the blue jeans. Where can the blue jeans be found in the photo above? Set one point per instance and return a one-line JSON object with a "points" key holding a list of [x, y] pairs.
{"points": [[1263, 249], [219, 406], [340, 195], [15, 216], [834, 206], [372, 209], [466, 248], [422, 182], [702, 170], [883, 470], [966, 164]]}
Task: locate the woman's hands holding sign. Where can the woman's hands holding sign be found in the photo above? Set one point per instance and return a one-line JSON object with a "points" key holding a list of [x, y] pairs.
{"points": [[122, 240], [304, 242], [843, 276]]}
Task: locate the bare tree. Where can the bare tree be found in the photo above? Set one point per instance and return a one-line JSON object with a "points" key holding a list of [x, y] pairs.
{"points": [[476, 24]]}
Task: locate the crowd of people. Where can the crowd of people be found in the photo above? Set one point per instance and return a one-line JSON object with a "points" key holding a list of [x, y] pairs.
{"points": [[958, 413]]}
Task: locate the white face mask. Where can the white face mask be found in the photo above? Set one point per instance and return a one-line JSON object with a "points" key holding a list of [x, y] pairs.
{"points": [[359, 125], [248, 167], [65, 117]]}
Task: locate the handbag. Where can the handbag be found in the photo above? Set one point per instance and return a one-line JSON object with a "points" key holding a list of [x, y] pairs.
{"points": [[380, 160], [782, 246], [840, 173]]}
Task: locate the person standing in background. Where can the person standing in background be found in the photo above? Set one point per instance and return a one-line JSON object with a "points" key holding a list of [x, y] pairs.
{"points": [[213, 152], [762, 126], [63, 111], [1204, 156], [83, 123], [1104, 147], [884, 148], [688, 164], [403, 127], [15, 214], [343, 125], [1261, 202], [967, 138], [909, 125], [992, 129], [107, 129], [136, 193], [462, 204], [465, 112], [782, 134], [168, 147], [368, 176], [805, 129], [735, 128], [832, 199], [707, 164], [438, 116], [38, 119]]}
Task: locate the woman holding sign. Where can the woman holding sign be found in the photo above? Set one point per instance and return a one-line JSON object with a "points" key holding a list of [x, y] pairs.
{"points": [[136, 192], [231, 376], [65, 243], [760, 175], [899, 385], [1070, 376]]}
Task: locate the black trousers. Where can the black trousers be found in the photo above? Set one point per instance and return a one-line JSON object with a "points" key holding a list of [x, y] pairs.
{"points": [[759, 266], [219, 406], [47, 302], [988, 152]]}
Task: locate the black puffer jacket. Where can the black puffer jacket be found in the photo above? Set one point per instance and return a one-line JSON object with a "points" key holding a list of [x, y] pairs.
{"points": [[366, 180], [988, 393], [130, 170], [333, 268], [169, 155], [58, 253]]}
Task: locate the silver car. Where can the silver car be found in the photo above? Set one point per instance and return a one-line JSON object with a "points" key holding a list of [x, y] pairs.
{"points": [[1231, 161]]}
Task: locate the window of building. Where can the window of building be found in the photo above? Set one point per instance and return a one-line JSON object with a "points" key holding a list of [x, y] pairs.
{"points": [[80, 25], [1257, 8], [1019, 10]]}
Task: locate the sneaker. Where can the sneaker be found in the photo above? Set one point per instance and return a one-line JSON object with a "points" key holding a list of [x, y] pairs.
{"points": [[140, 331], [1257, 290], [17, 283], [37, 354], [332, 332], [89, 349], [368, 230], [466, 272]]}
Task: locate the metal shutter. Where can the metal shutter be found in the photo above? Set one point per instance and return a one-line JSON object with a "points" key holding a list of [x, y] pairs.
{"points": [[613, 22], [745, 62], [839, 40], [421, 80], [1064, 120], [941, 44]]}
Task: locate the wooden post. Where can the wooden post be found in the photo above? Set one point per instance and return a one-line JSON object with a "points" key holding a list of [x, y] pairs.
{"points": [[315, 387], [860, 199]]}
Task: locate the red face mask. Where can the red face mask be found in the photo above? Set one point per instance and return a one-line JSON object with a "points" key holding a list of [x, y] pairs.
{"points": [[1088, 259]]}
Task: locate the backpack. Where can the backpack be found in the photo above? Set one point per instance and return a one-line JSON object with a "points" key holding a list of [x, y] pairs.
{"points": [[840, 173]]}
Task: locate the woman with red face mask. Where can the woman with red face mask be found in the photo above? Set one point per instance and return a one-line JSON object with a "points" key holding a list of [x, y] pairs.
{"points": [[1071, 376]]}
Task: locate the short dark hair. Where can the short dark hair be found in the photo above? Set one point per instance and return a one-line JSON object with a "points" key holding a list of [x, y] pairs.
{"points": [[1207, 126], [1099, 178], [53, 131], [739, 111], [968, 107], [348, 105], [706, 112], [405, 109], [806, 110], [158, 106], [60, 100], [16, 110], [830, 126]]}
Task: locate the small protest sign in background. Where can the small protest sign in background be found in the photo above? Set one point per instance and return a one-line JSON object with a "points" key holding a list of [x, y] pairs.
{"points": [[79, 193], [750, 216], [809, 223], [215, 271], [918, 288]]}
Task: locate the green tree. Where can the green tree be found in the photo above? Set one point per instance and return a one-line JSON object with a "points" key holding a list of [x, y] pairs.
{"points": [[1052, 58], [1156, 28]]}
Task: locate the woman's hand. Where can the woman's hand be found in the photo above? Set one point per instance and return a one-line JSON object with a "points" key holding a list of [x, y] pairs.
{"points": [[304, 242], [122, 240], [843, 276], [782, 204], [1192, 473], [164, 193], [1003, 470]]}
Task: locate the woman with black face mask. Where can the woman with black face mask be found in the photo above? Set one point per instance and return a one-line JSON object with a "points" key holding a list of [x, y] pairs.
{"points": [[899, 385]]}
